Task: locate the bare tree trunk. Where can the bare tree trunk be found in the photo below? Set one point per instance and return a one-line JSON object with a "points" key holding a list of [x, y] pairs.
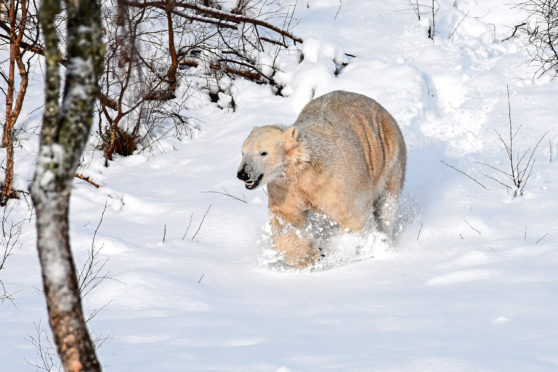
{"points": [[11, 75], [13, 110], [64, 133], [7, 137], [171, 73]]}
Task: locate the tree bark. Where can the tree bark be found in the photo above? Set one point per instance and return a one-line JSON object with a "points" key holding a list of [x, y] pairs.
{"points": [[13, 109], [171, 73], [65, 130]]}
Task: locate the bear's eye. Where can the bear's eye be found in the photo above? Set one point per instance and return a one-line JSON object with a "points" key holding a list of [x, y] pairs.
{"points": [[263, 153]]}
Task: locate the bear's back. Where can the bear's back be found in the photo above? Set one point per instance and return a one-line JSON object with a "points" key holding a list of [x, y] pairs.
{"points": [[344, 128]]}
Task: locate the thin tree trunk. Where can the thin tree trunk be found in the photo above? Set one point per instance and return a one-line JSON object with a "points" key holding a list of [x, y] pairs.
{"points": [[13, 111], [64, 133], [11, 75], [7, 137], [171, 73]]}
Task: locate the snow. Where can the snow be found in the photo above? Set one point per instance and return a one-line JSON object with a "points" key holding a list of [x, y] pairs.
{"points": [[470, 284]]}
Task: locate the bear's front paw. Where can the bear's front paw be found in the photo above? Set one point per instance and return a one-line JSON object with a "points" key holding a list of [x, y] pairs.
{"points": [[300, 253]]}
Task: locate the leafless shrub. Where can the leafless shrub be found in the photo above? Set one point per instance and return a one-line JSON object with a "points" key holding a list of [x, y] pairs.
{"points": [[160, 51], [427, 8], [520, 163], [9, 242], [541, 30], [45, 350], [92, 274], [416, 8]]}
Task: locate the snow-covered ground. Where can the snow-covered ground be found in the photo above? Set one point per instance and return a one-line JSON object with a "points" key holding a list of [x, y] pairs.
{"points": [[471, 285]]}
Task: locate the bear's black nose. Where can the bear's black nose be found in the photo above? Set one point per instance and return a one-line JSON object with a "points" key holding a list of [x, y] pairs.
{"points": [[242, 175]]}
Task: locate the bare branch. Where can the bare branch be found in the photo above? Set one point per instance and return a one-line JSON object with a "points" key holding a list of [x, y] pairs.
{"points": [[188, 228], [465, 174], [87, 179], [497, 180], [541, 238], [201, 223], [226, 194], [473, 228], [217, 14]]}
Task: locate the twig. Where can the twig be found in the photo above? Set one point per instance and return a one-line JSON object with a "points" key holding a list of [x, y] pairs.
{"points": [[44, 349], [496, 169], [525, 234], [99, 224], [201, 223], [201, 277], [459, 24], [433, 26], [188, 228], [338, 9], [91, 274], [516, 27], [87, 179], [226, 194], [416, 8], [496, 180], [465, 174], [96, 311], [164, 232], [471, 226], [530, 163], [509, 148], [9, 241], [541, 238], [420, 230], [5, 295]]}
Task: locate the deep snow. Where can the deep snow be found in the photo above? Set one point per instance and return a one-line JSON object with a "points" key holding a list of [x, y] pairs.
{"points": [[470, 286]]}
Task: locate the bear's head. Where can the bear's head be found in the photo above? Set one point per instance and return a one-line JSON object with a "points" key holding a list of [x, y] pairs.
{"points": [[264, 154]]}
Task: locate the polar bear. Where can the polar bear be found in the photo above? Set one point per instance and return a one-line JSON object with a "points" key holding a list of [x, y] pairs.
{"points": [[344, 157]]}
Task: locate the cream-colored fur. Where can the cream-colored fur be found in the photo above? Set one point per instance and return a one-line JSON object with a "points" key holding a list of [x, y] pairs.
{"points": [[344, 157]]}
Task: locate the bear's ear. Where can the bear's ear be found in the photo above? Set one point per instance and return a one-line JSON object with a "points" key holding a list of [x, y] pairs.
{"points": [[291, 134]]}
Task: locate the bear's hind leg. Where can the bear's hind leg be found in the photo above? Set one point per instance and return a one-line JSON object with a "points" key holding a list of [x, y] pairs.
{"points": [[385, 213], [386, 206]]}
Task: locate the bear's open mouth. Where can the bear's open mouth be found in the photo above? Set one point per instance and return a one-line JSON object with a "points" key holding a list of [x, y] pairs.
{"points": [[253, 184]]}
